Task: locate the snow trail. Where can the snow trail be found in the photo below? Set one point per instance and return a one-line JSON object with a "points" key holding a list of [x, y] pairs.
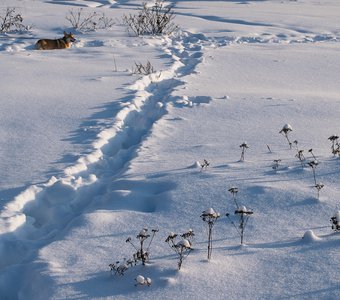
{"points": [[40, 211]]}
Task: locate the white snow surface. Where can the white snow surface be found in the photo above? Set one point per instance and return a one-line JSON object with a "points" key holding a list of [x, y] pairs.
{"points": [[92, 154]]}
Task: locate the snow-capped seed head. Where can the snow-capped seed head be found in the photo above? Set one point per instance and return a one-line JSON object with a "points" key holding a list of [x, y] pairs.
{"points": [[140, 279], [143, 232], [313, 163], [148, 281], [233, 190], [209, 212], [171, 237], [286, 128], [172, 234], [184, 244], [243, 209]]}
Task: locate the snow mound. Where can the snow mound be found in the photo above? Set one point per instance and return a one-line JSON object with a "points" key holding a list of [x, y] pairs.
{"points": [[310, 237], [197, 165]]}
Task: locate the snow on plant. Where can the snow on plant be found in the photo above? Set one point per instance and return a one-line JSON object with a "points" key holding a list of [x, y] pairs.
{"points": [[189, 235], [335, 220], [142, 254], [182, 247], [286, 129], [210, 216], [335, 144], [11, 20], [243, 213], [88, 22], [151, 20], [141, 280]]}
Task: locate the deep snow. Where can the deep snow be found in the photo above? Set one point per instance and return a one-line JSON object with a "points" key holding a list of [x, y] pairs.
{"points": [[90, 155]]}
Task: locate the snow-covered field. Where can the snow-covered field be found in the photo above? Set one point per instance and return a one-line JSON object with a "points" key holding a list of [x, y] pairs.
{"points": [[91, 154]]}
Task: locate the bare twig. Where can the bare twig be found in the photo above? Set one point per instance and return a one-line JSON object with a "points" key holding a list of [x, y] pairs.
{"points": [[11, 20], [151, 20]]}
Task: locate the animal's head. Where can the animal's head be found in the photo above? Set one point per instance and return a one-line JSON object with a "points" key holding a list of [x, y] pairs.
{"points": [[69, 37]]}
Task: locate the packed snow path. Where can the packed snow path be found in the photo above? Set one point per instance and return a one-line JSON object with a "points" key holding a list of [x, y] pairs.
{"points": [[42, 210]]}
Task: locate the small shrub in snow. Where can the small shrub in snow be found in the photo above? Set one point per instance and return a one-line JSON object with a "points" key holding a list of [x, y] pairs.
{"points": [[234, 191], [276, 164], [319, 186], [244, 146], [204, 165], [182, 248], [119, 268], [141, 280], [142, 253], [151, 20], [210, 216], [141, 69], [313, 164], [299, 154], [11, 21], [335, 220], [301, 157], [243, 213], [286, 129], [88, 22], [335, 144]]}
